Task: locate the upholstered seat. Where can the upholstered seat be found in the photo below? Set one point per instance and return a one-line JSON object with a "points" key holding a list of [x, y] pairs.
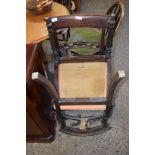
{"points": [[82, 80]]}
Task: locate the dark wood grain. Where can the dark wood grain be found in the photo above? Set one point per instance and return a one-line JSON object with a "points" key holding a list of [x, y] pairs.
{"points": [[78, 21], [31, 56], [40, 124], [107, 24]]}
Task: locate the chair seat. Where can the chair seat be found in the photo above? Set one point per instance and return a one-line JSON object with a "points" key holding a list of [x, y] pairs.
{"points": [[82, 80]]}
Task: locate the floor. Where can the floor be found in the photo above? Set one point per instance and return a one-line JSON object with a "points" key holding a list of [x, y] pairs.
{"points": [[116, 140]]}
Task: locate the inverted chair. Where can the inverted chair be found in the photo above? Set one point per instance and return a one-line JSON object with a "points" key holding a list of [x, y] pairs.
{"points": [[82, 83]]}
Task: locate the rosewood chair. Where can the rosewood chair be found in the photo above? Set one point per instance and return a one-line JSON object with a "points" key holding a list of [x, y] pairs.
{"points": [[82, 83]]}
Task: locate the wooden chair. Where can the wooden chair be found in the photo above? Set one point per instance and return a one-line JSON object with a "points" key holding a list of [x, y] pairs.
{"points": [[82, 83]]}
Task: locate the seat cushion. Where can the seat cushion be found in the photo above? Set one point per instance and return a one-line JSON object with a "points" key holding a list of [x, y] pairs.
{"points": [[82, 80]]}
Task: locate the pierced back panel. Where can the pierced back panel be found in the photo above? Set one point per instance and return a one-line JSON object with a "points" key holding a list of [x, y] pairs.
{"points": [[73, 21]]}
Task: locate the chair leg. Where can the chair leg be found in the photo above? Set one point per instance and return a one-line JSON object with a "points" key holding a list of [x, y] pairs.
{"points": [[117, 77], [59, 115]]}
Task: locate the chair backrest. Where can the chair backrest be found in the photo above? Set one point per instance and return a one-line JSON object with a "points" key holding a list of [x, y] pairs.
{"points": [[106, 23], [118, 10]]}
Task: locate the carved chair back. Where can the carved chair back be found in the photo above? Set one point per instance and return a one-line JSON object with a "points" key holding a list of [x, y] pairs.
{"points": [[106, 23]]}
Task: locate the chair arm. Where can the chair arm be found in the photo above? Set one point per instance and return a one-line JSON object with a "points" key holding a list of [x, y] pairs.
{"points": [[49, 86], [117, 77]]}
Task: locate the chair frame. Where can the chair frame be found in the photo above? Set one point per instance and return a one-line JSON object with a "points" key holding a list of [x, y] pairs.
{"points": [[104, 55], [118, 10]]}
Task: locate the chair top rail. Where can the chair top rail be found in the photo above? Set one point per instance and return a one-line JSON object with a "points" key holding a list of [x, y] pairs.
{"points": [[70, 21]]}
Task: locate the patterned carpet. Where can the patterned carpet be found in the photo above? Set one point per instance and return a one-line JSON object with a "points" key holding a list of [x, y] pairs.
{"points": [[114, 141]]}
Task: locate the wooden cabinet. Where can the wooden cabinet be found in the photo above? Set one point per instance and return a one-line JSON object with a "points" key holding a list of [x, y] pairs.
{"points": [[40, 120]]}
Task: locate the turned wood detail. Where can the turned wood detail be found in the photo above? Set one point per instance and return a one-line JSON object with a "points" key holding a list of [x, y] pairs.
{"points": [[103, 22], [110, 31], [54, 43]]}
